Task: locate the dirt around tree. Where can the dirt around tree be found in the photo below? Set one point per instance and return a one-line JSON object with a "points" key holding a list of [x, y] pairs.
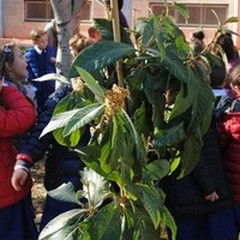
{"points": [[38, 190]]}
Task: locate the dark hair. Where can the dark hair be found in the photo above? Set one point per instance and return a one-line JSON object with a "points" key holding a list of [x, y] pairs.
{"points": [[6, 55], [199, 35], [226, 42], [120, 3], [218, 72]]}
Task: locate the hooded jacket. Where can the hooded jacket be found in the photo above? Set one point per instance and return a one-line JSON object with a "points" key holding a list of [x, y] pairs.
{"points": [[17, 116]]}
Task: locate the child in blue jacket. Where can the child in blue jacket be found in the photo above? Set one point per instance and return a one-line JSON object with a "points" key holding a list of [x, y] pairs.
{"points": [[41, 60]]}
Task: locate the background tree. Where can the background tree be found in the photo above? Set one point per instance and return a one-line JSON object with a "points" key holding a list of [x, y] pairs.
{"points": [[64, 14]]}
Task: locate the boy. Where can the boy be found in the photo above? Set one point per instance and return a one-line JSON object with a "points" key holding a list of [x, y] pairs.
{"points": [[41, 60]]}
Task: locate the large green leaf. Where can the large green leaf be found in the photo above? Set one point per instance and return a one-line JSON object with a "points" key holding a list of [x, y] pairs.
{"points": [[151, 200], [100, 55], [176, 65], [92, 84], [73, 119], [64, 192], [105, 28], [53, 76], [58, 121], [156, 170], [169, 136], [104, 225], [190, 155], [95, 187], [83, 117], [63, 226]]}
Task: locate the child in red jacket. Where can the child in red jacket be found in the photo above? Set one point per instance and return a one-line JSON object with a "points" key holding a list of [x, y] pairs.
{"points": [[17, 116], [229, 132]]}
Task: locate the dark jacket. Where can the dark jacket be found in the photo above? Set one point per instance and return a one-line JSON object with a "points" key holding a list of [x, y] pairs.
{"points": [[186, 196], [62, 164]]}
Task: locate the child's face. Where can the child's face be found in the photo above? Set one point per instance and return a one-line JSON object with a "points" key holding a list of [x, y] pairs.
{"points": [[17, 71], [42, 42]]}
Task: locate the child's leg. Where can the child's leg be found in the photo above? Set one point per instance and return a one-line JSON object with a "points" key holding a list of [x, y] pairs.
{"points": [[222, 225]]}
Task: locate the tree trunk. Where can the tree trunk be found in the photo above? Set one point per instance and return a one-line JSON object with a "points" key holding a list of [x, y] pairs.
{"points": [[64, 13]]}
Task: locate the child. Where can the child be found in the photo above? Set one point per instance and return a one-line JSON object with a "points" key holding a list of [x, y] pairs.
{"points": [[94, 34], [41, 60], [62, 165], [17, 116], [201, 202], [229, 132]]}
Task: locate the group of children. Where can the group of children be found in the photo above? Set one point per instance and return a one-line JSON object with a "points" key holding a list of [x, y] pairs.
{"points": [[21, 124], [205, 203], [202, 202]]}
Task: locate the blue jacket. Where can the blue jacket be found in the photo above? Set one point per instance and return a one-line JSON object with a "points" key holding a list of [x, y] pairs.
{"points": [[62, 165], [39, 65]]}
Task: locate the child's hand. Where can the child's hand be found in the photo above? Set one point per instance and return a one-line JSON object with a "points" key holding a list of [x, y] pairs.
{"points": [[212, 197], [19, 179], [52, 59]]}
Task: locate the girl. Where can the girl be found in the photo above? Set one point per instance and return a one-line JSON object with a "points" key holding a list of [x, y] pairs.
{"points": [[17, 116], [229, 132]]}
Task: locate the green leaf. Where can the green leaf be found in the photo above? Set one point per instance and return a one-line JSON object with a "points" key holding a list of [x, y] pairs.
{"points": [[170, 222], [156, 170], [104, 225], [73, 119], [95, 187], [58, 121], [52, 76], [231, 20], [63, 226], [183, 101], [182, 9], [182, 72], [169, 136], [64, 192], [92, 84], [152, 202], [190, 155], [71, 140], [83, 117], [100, 55], [140, 149]]}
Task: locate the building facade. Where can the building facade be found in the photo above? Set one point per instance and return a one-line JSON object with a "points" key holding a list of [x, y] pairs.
{"points": [[18, 17]]}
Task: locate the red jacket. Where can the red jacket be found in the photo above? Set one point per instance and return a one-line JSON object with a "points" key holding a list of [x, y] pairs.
{"points": [[230, 141], [17, 116]]}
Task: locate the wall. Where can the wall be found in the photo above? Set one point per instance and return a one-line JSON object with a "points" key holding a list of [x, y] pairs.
{"points": [[15, 27]]}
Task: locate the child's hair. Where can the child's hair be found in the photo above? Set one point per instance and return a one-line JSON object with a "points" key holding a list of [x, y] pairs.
{"points": [[93, 33], [226, 42], [197, 41], [218, 72], [198, 35], [78, 42], [6, 55], [234, 76], [36, 33]]}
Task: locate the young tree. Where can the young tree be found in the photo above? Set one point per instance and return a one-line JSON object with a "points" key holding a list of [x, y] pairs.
{"points": [[169, 108]]}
